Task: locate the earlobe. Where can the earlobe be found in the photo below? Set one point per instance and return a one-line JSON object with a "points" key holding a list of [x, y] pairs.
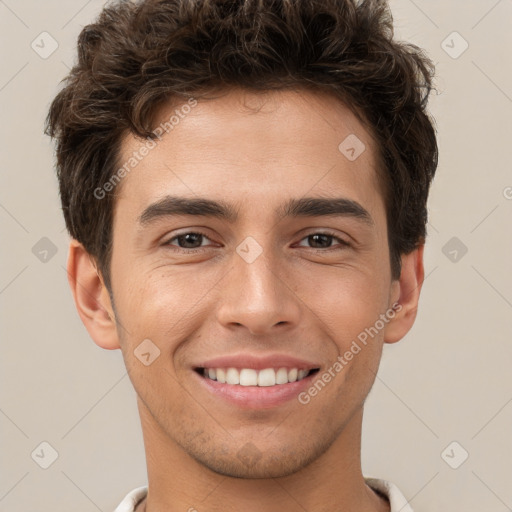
{"points": [[406, 293], [91, 297]]}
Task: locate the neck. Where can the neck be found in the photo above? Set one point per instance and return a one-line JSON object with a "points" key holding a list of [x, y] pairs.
{"points": [[331, 482]]}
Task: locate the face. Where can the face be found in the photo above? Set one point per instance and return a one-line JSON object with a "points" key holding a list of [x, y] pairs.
{"points": [[246, 240]]}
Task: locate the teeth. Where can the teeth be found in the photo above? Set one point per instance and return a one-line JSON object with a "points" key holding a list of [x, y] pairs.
{"points": [[267, 377], [250, 377], [282, 376], [232, 376], [221, 375]]}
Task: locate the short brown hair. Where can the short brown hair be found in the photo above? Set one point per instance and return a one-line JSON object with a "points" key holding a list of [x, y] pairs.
{"points": [[138, 55]]}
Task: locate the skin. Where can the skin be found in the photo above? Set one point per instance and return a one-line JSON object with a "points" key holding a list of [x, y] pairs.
{"points": [[298, 298]]}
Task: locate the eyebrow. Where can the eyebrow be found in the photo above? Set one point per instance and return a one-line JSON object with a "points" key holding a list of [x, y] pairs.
{"points": [[303, 207]]}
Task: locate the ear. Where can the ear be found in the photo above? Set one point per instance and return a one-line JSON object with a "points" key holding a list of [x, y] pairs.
{"points": [[91, 297], [405, 292]]}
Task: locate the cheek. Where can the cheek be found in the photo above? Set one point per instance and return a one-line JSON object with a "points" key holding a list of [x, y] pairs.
{"points": [[164, 304], [344, 301], [347, 308]]}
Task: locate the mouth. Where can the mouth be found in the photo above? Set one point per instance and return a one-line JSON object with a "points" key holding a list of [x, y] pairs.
{"points": [[251, 377], [255, 389]]}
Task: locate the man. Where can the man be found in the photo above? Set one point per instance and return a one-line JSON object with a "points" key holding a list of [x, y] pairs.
{"points": [[245, 185]]}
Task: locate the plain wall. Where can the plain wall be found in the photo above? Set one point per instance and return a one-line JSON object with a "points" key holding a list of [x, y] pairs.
{"points": [[448, 380]]}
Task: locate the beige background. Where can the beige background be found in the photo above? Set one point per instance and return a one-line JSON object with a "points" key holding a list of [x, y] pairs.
{"points": [[448, 380]]}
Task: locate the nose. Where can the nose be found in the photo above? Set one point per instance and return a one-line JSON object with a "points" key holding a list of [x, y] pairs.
{"points": [[258, 296]]}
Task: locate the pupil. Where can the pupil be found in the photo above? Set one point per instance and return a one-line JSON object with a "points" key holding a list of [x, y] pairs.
{"points": [[314, 239], [190, 238]]}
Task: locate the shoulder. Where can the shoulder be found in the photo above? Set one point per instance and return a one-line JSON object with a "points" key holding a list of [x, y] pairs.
{"points": [[396, 499], [132, 499]]}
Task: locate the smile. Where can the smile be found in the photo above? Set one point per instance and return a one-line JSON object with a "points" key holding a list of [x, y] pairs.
{"points": [[251, 377]]}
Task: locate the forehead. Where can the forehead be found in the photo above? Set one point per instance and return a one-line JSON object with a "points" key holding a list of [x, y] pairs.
{"points": [[255, 146]]}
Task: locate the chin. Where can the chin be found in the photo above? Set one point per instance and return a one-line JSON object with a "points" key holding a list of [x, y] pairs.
{"points": [[251, 462]]}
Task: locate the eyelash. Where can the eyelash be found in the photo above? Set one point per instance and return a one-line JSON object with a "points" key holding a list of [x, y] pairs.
{"points": [[342, 242]]}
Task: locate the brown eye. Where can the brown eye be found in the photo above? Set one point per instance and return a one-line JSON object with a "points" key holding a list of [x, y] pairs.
{"points": [[323, 241], [190, 240], [320, 241]]}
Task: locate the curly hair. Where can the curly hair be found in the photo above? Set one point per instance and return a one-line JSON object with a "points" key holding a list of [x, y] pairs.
{"points": [[139, 55]]}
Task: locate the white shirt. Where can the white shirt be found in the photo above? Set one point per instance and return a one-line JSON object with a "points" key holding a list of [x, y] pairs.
{"points": [[397, 501]]}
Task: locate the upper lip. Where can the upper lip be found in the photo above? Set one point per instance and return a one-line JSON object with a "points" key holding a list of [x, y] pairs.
{"points": [[257, 362]]}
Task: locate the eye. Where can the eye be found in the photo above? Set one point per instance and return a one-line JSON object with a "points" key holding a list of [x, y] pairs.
{"points": [[188, 240], [192, 241], [323, 241]]}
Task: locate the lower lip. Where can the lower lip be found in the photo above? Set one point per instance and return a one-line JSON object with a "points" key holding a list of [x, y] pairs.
{"points": [[257, 397]]}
